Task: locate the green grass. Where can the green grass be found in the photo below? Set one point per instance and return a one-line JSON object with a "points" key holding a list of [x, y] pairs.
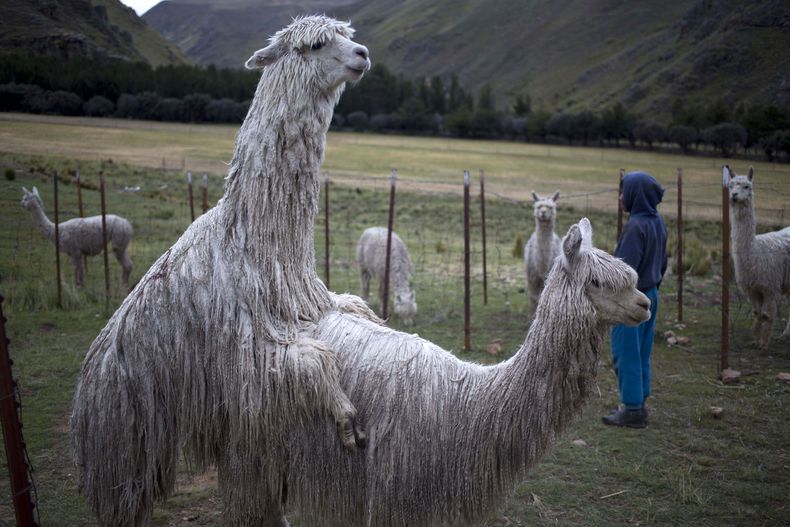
{"points": [[685, 469]]}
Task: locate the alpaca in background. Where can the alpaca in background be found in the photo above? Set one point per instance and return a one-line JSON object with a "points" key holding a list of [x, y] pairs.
{"points": [[372, 258], [80, 237], [542, 247], [208, 356], [762, 262]]}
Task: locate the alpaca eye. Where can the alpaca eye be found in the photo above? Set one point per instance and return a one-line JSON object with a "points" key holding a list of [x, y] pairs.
{"points": [[595, 283], [317, 45]]}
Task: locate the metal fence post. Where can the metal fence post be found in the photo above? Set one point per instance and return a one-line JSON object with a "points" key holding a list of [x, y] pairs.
{"points": [[467, 284], [326, 226], [483, 234], [104, 241], [189, 194], [385, 299], [725, 267], [57, 239], [205, 193], [680, 245], [620, 205]]}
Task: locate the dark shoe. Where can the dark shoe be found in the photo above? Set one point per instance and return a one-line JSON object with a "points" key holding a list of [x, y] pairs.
{"points": [[625, 417]]}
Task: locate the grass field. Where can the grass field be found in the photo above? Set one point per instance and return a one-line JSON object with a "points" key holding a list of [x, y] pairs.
{"points": [[687, 468]]}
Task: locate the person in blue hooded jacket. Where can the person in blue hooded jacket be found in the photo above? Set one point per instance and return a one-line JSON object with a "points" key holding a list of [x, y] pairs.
{"points": [[642, 245]]}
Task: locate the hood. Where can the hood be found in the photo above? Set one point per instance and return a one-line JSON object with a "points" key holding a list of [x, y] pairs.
{"points": [[641, 193]]}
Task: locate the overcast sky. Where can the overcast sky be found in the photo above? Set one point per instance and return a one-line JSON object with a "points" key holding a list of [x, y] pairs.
{"points": [[141, 6]]}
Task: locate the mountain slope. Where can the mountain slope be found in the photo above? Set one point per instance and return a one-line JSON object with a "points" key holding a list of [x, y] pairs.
{"points": [[94, 28], [574, 54]]}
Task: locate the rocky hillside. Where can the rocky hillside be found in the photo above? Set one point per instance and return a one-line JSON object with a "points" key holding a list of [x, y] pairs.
{"points": [[71, 28], [575, 54]]}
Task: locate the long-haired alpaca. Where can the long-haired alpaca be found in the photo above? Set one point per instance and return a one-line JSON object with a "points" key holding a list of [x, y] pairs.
{"points": [[372, 257], [448, 440], [80, 237], [762, 262], [208, 356], [542, 247]]}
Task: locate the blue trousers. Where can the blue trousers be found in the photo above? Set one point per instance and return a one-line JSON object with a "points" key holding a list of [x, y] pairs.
{"points": [[631, 349]]}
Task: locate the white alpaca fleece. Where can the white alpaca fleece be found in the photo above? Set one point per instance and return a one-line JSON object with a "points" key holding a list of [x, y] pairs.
{"points": [[80, 237], [372, 259], [762, 262], [542, 248], [447, 439], [208, 355]]}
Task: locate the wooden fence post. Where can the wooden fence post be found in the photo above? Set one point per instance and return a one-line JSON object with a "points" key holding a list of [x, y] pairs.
{"points": [[483, 234], [680, 245], [205, 193], [725, 267], [385, 299], [326, 226], [18, 469], [620, 205], [467, 284], [78, 182], [104, 242], [189, 195], [57, 238]]}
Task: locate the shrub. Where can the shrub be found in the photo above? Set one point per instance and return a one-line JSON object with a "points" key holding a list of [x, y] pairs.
{"points": [[518, 247], [98, 106], [10, 174], [358, 120]]}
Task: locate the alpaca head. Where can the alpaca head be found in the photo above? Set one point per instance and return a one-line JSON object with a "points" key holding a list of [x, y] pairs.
{"points": [[545, 209], [406, 305], [315, 50], [740, 187], [608, 283], [30, 200]]}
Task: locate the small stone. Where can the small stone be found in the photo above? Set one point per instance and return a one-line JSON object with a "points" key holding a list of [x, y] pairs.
{"points": [[683, 341], [716, 412], [729, 376], [785, 377], [494, 347], [669, 334], [579, 442], [672, 341]]}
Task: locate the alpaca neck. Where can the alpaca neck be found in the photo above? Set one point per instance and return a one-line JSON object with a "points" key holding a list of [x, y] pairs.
{"points": [[544, 230], [743, 228], [43, 223], [543, 386]]}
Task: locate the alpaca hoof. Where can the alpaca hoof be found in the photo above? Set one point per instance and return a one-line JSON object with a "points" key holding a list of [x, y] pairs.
{"points": [[351, 435]]}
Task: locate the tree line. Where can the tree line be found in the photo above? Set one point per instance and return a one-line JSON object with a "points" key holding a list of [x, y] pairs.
{"points": [[382, 102]]}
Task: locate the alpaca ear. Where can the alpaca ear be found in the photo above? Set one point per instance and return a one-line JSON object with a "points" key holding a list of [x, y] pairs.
{"points": [[751, 173], [556, 196], [263, 57], [586, 229], [35, 193], [730, 171], [26, 191], [571, 245], [535, 197]]}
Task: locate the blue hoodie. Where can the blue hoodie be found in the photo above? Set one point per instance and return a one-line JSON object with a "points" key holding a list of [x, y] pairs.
{"points": [[643, 242]]}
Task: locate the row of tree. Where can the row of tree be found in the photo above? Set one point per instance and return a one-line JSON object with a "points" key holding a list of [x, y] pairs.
{"points": [[383, 102]]}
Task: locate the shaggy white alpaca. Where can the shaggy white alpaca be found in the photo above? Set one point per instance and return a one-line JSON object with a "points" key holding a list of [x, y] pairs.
{"points": [[83, 236], [447, 439], [372, 258], [542, 247], [762, 262], [209, 355]]}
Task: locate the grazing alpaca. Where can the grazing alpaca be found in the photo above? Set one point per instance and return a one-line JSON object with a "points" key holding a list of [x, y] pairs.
{"points": [[208, 356], [542, 247], [83, 236], [372, 257], [447, 439], [762, 262]]}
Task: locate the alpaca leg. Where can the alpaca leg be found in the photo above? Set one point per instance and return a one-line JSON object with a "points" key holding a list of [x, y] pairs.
{"points": [[79, 270], [767, 322], [365, 280], [311, 369], [122, 256], [786, 332]]}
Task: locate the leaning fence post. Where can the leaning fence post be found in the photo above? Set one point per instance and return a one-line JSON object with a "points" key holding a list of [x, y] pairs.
{"points": [[18, 469], [104, 243], [620, 204], [205, 193], [326, 226], [725, 267], [483, 234], [467, 285], [57, 238], [189, 195], [385, 298], [680, 245]]}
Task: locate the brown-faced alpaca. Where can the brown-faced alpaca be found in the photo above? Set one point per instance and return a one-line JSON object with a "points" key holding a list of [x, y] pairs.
{"points": [[209, 355], [542, 247], [448, 440], [80, 237], [372, 258], [762, 262]]}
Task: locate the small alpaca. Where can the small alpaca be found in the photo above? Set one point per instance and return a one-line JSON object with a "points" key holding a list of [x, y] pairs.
{"points": [[209, 356], [372, 256], [542, 247], [448, 440], [762, 262], [83, 236]]}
